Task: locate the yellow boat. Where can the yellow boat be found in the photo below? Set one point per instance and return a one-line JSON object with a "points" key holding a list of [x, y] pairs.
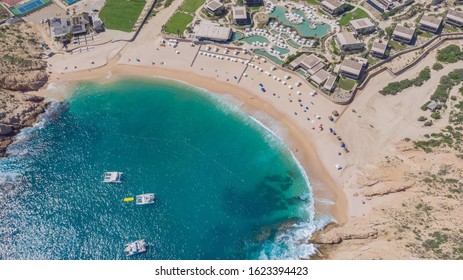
{"points": [[128, 199]]}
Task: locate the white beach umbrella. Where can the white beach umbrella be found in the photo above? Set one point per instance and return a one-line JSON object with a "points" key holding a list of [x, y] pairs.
{"points": [[298, 93], [290, 87]]}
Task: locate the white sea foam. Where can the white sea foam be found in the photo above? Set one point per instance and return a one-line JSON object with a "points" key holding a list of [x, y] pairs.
{"points": [[290, 243]]}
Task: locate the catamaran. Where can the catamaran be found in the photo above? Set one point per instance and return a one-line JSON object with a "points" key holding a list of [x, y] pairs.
{"points": [[142, 199], [112, 177], [136, 247]]}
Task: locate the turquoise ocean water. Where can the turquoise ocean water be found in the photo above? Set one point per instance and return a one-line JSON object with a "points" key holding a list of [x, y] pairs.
{"points": [[226, 187]]}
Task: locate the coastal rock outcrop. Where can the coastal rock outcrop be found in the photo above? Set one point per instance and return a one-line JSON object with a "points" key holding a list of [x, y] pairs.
{"points": [[22, 70]]}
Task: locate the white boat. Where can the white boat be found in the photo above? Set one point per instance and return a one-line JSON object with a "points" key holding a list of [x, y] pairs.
{"points": [[112, 177], [147, 198], [136, 247]]}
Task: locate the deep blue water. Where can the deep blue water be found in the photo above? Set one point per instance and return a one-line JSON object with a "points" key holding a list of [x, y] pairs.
{"points": [[226, 188]]}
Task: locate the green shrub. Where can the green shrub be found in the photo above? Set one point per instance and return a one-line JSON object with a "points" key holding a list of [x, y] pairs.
{"points": [[437, 66], [449, 54], [396, 87], [436, 115]]}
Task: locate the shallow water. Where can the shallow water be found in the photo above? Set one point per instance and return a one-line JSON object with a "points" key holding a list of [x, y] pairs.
{"points": [[226, 188]]}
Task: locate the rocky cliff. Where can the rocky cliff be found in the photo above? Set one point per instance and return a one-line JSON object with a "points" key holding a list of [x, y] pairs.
{"points": [[22, 70]]}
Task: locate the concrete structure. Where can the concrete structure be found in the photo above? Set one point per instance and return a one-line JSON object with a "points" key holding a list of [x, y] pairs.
{"points": [[212, 31], [240, 15], [386, 5], [80, 23], [430, 23], [310, 63], [363, 25], [253, 2], [454, 18], [351, 69], [214, 7], [59, 27], [348, 41], [320, 77], [378, 49], [403, 34], [330, 84], [333, 7]]}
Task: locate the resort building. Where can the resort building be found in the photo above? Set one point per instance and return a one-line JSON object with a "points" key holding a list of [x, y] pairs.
{"points": [[385, 5], [310, 63], [320, 77], [215, 7], [59, 27], [212, 31], [403, 34], [253, 2], [454, 18], [80, 23], [240, 15], [333, 7], [330, 84], [378, 49], [351, 69], [362, 26], [348, 41], [430, 24]]}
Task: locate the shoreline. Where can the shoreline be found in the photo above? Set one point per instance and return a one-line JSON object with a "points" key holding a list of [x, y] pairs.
{"points": [[298, 142]]}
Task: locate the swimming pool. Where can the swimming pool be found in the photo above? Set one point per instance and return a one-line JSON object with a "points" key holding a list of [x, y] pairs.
{"points": [[269, 56], [255, 38], [70, 2], [304, 28], [29, 7], [236, 36], [281, 50]]}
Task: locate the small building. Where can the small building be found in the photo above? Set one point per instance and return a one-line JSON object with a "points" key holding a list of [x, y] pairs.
{"points": [[252, 3], [59, 27], [212, 31], [348, 41], [240, 15], [378, 49], [403, 34], [386, 5], [14, 20], [454, 18], [433, 106], [98, 26], [430, 23], [310, 63], [320, 77], [330, 83], [351, 69], [363, 25], [215, 7], [333, 7]]}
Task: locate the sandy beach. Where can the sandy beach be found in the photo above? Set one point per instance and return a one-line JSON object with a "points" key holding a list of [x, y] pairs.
{"points": [[296, 131], [370, 126]]}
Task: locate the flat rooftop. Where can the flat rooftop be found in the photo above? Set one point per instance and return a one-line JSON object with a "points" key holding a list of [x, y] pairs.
{"points": [[431, 21], [213, 31], [455, 15], [404, 32], [332, 4], [308, 61], [320, 76], [362, 23], [214, 5], [239, 12], [351, 66], [378, 47], [347, 38]]}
